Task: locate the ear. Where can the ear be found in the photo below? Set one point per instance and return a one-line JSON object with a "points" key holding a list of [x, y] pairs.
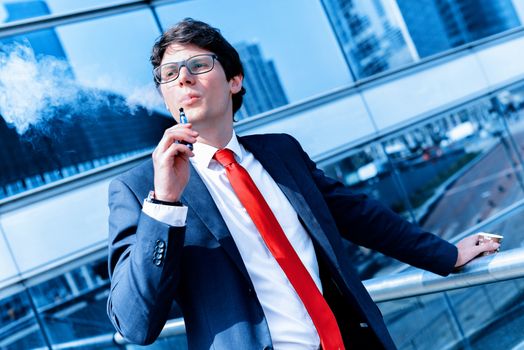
{"points": [[235, 83]]}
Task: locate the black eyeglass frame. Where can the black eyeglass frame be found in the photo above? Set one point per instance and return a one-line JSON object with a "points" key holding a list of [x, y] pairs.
{"points": [[156, 71]]}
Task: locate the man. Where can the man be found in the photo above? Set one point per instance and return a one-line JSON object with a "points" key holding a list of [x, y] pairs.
{"points": [[246, 240]]}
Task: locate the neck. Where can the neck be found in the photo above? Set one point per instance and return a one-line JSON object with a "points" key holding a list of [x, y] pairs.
{"points": [[216, 137]]}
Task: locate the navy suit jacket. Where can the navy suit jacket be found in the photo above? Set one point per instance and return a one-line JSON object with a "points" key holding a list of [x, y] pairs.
{"points": [[153, 265]]}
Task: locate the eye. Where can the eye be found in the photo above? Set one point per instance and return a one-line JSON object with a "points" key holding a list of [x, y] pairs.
{"points": [[200, 64], [168, 72]]}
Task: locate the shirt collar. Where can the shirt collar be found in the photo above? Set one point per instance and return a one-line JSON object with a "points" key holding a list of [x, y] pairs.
{"points": [[204, 153]]}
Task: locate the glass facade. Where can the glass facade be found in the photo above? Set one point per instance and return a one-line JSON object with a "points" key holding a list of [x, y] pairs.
{"points": [[483, 317], [447, 173], [78, 96]]}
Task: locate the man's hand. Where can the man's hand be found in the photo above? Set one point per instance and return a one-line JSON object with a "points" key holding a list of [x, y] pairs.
{"points": [[470, 247], [171, 162]]}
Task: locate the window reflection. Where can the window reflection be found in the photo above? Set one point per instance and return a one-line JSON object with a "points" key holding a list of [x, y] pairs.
{"points": [[448, 173], [367, 170], [435, 26], [72, 305], [88, 86], [14, 10], [370, 35], [482, 317], [458, 169], [18, 327]]}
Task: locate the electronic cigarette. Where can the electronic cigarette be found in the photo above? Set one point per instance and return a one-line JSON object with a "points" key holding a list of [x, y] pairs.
{"points": [[183, 120]]}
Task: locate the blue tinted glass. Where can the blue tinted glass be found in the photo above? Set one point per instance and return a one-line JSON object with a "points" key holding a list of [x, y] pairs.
{"points": [[371, 33], [18, 326], [15, 10], [86, 82]]}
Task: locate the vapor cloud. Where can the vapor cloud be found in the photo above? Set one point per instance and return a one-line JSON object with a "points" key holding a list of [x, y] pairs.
{"points": [[35, 89]]}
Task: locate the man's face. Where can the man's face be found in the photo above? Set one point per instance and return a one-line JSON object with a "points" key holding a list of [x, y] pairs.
{"points": [[206, 98]]}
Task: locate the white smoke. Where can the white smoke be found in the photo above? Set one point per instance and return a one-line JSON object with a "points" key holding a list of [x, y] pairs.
{"points": [[33, 89], [146, 97]]}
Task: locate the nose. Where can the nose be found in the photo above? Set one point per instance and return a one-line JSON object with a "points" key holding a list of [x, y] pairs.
{"points": [[185, 77]]}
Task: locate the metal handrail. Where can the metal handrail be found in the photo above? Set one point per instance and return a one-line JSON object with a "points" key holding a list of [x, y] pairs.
{"points": [[488, 269]]}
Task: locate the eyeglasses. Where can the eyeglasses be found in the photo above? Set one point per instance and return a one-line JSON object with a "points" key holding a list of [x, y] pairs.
{"points": [[198, 64]]}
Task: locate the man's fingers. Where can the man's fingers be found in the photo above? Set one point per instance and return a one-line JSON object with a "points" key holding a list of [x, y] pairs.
{"points": [[178, 150], [489, 246], [472, 246], [180, 132]]}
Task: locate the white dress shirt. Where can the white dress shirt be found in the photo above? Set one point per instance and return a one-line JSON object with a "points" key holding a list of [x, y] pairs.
{"points": [[288, 321]]}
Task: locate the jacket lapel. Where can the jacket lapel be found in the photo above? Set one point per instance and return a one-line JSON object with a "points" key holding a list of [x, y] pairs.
{"points": [[197, 197], [277, 168]]}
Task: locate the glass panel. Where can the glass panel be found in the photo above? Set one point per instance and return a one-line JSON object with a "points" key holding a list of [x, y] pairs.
{"points": [[483, 317], [367, 170], [458, 168], [73, 305], [435, 26], [279, 68], [379, 35], [89, 87], [15, 10], [18, 326], [371, 35]]}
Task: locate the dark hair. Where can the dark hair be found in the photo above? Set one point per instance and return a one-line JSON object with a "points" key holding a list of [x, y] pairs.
{"points": [[190, 31]]}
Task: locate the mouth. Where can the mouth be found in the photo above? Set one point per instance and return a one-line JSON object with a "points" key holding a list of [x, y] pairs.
{"points": [[190, 99]]}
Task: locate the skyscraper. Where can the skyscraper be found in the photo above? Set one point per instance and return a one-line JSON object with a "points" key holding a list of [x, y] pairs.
{"points": [[437, 25], [262, 83], [371, 42], [43, 42]]}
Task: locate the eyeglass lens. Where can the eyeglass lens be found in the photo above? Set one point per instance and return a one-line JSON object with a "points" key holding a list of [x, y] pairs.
{"points": [[196, 65]]}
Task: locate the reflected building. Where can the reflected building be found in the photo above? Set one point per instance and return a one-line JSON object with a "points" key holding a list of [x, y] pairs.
{"points": [[261, 80], [438, 25], [43, 42], [68, 143], [370, 40]]}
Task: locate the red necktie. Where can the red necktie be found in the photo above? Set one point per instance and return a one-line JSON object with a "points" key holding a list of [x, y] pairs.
{"points": [[278, 244]]}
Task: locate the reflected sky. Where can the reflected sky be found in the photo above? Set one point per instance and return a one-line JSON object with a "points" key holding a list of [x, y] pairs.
{"points": [[111, 52]]}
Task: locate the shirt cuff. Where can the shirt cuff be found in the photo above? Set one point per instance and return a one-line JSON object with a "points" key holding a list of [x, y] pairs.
{"points": [[168, 214]]}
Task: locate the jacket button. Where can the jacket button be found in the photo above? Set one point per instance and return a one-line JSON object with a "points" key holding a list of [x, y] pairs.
{"points": [[269, 347], [157, 262]]}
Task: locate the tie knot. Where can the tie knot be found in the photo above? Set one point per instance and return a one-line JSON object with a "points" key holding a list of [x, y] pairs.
{"points": [[225, 157]]}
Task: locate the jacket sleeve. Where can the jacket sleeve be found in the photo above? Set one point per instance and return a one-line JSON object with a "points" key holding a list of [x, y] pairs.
{"points": [[144, 256], [367, 222]]}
